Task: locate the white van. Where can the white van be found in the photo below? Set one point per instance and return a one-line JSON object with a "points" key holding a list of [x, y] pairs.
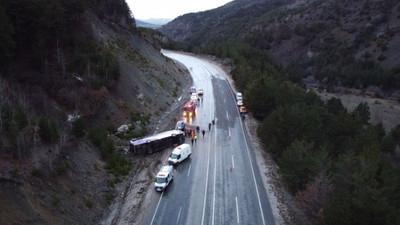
{"points": [[193, 97], [239, 96], [164, 177], [180, 153]]}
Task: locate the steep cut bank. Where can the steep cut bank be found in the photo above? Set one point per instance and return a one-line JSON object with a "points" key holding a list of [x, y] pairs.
{"points": [[72, 72]]}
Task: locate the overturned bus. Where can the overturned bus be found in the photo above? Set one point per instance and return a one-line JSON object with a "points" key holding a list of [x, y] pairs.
{"points": [[157, 142]]}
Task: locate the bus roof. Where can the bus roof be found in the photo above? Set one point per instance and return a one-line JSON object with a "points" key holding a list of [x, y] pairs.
{"points": [[155, 137]]}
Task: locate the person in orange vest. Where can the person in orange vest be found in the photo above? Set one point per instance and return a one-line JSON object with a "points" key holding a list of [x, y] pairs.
{"points": [[192, 133]]}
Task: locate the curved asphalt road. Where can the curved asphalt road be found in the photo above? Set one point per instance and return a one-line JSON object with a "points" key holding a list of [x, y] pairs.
{"points": [[220, 183]]}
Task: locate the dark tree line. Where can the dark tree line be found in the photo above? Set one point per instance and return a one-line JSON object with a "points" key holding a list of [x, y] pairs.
{"points": [[50, 36], [41, 42]]}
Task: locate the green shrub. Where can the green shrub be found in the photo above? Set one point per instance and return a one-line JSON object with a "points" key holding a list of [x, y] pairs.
{"points": [[14, 172], [78, 127], [55, 199], [20, 117], [89, 203], [97, 136], [35, 172], [62, 167], [362, 111], [48, 130], [115, 163], [133, 133], [175, 92], [300, 29], [113, 181], [109, 198], [106, 148], [366, 55], [12, 131], [381, 57]]}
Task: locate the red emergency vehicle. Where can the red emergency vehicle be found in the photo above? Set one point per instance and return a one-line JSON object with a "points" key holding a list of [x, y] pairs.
{"points": [[189, 109]]}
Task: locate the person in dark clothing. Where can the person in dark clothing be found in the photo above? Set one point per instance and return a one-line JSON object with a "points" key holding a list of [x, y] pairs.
{"points": [[209, 126], [213, 122], [203, 132], [198, 129], [192, 140], [188, 132]]}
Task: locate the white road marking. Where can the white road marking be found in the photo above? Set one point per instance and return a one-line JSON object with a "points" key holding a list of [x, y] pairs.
{"points": [[251, 164], [237, 210], [155, 212], [233, 163], [208, 167], [189, 169], [179, 214], [252, 171], [215, 175]]}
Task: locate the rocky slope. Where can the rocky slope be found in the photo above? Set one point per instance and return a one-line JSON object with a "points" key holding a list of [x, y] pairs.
{"points": [[350, 43], [99, 69]]}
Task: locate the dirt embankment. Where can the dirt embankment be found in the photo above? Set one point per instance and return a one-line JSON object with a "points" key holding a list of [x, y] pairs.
{"points": [[133, 196]]}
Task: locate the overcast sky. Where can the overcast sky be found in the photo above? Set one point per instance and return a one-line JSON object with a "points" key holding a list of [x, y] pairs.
{"points": [[170, 9]]}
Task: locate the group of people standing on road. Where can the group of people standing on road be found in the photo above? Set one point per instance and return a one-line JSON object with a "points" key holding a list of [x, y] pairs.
{"points": [[193, 132]]}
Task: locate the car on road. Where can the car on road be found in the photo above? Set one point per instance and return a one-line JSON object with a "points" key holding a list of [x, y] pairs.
{"points": [[239, 96], [200, 92], [239, 103], [193, 89], [194, 97], [180, 125], [164, 177]]}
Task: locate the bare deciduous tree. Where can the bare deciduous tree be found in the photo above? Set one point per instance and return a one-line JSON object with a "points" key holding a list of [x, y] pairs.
{"points": [[312, 199]]}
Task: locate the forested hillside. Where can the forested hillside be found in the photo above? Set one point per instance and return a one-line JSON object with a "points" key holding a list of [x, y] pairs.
{"points": [[71, 73], [335, 163], [351, 43]]}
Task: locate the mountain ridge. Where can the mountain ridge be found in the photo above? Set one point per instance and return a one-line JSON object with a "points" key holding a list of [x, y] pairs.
{"points": [[352, 43]]}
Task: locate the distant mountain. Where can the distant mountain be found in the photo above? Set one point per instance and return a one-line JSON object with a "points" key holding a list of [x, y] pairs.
{"points": [[152, 23], [222, 24], [140, 23], [350, 43], [157, 21]]}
